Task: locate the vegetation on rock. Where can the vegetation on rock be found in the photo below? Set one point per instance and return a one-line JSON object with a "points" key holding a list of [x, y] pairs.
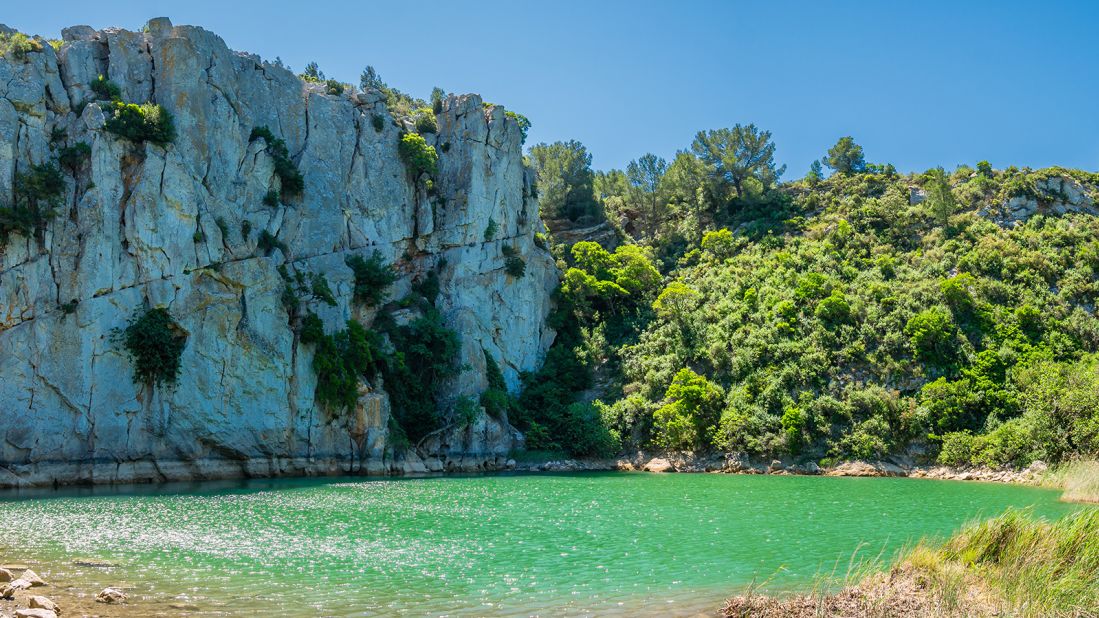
{"points": [[36, 194], [155, 342], [419, 157], [290, 178]]}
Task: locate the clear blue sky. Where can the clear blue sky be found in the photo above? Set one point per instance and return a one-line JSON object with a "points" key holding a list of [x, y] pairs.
{"points": [[918, 84]]}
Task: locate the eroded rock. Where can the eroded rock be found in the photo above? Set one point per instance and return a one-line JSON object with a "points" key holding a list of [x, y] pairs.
{"points": [[110, 596]]}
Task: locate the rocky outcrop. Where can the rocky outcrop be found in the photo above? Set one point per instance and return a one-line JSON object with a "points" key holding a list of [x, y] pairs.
{"points": [[1052, 195], [147, 226]]}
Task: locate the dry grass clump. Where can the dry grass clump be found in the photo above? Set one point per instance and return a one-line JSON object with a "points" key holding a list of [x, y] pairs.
{"points": [[1078, 479]]}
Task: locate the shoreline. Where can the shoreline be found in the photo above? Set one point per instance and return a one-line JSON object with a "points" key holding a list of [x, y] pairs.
{"points": [[50, 475]]}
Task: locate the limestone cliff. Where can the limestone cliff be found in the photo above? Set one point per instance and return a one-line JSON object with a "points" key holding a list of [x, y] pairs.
{"points": [[144, 226]]}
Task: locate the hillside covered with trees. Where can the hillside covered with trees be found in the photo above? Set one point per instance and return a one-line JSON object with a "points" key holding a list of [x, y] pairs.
{"points": [[858, 313]]}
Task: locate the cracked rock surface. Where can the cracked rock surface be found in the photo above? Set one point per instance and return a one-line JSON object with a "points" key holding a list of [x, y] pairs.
{"points": [[143, 225]]}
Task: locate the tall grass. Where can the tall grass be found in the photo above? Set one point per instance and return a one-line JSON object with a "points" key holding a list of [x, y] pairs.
{"points": [[1012, 565], [1078, 479], [1037, 568]]}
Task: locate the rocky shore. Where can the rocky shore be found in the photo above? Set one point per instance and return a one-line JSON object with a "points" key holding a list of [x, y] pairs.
{"points": [[25, 594], [740, 464]]}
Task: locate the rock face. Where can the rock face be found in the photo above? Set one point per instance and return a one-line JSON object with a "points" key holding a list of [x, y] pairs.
{"points": [[149, 226], [1055, 195]]}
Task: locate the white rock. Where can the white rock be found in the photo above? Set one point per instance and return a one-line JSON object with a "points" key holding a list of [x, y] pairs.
{"points": [[110, 595], [41, 602], [33, 578], [35, 613]]}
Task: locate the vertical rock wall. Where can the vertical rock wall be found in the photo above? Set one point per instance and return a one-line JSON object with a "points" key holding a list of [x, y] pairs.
{"points": [[144, 225]]}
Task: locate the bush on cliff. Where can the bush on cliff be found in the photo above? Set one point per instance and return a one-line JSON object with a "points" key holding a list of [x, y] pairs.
{"points": [[372, 278], [418, 156], [340, 359], [293, 183], [155, 342], [36, 194], [147, 122]]}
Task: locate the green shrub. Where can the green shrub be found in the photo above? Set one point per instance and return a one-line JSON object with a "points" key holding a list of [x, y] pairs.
{"points": [[293, 183], [425, 121], [514, 265], [931, 333], [36, 195], [223, 227], [834, 309], [319, 288], [18, 45], [333, 87], [155, 342], [272, 198], [491, 229], [378, 121], [465, 411], [424, 359], [268, 242], [147, 122], [522, 121], [106, 90], [245, 229], [339, 360], [372, 278], [75, 156], [418, 156], [689, 418]]}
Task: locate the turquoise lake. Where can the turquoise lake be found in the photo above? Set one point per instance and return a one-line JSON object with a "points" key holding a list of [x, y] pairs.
{"points": [[511, 545]]}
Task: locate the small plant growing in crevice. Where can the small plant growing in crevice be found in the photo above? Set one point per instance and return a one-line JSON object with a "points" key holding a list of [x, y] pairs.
{"points": [[73, 157], [268, 242], [320, 290], [155, 342], [465, 411], [69, 308], [36, 195], [105, 89], [514, 265], [333, 87], [491, 229], [293, 183], [223, 227], [372, 278], [272, 198], [245, 230], [378, 121], [418, 156]]}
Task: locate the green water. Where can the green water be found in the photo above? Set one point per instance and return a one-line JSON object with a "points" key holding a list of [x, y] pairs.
{"points": [[551, 545]]}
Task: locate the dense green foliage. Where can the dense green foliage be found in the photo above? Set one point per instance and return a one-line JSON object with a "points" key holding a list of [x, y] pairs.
{"points": [[290, 178], [372, 278], [419, 157], [425, 120], [155, 343], [36, 194], [147, 122], [832, 318], [565, 180], [18, 45], [339, 360]]}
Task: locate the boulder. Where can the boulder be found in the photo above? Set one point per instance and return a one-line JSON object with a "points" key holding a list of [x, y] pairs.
{"points": [[41, 602], [33, 578], [776, 465], [6, 575], [110, 595], [659, 464], [35, 613], [9, 589]]}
